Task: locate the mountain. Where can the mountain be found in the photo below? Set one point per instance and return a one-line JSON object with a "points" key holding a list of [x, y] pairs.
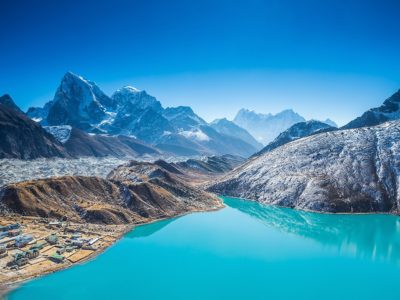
{"points": [[295, 132], [183, 118], [78, 102], [352, 170], [266, 127], [229, 128], [210, 164], [79, 143], [81, 104], [133, 193], [39, 114], [330, 122], [137, 114], [6, 100], [20, 137], [389, 110]]}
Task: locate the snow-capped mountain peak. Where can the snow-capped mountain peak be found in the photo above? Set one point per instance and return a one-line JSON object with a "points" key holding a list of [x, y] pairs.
{"points": [[128, 95]]}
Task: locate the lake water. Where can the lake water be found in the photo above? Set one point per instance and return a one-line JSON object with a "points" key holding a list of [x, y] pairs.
{"points": [[245, 251]]}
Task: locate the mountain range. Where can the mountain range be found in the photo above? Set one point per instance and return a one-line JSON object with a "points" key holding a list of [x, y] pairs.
{"points": [[266, 127], [81, 104], [314, 167]]}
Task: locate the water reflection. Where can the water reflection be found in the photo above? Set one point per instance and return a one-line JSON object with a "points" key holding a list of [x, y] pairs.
{"points": [[375, 237], [144, 231]]}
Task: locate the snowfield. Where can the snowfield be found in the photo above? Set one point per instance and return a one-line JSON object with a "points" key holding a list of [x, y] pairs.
{"points": [[16, 170], [356, 170]]}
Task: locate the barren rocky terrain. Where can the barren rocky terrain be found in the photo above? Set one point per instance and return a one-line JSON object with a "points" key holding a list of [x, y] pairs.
{"points": [[354, 170]]}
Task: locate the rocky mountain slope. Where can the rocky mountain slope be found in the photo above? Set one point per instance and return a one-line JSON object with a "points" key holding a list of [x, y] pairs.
{"points": [[295, 132], [134, 193], [340, 171], [20, 137], [80, 103], [79, 143], [266, 127], [7, 101], [389, 110], [23, 138], [210, 165]]}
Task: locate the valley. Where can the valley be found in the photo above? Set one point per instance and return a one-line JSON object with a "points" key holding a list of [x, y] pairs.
{"points": [[79, 173]]}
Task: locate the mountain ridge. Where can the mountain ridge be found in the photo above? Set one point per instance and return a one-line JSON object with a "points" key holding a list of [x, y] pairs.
{"points": [[129, 111]]}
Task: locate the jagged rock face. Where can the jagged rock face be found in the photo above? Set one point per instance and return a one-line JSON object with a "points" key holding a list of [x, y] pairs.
{"points": [[139, 99], [62, 133], [134, 193], [145, 124], [6, 100], [183, 118], [389, 110], [229, 128], [265, 128], [20, 137], [340, 171], [78, 102], [297, 131], [39, 114], [137, 114]]}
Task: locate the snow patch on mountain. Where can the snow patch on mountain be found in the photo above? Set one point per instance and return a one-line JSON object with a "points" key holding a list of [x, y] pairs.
{"points": [[196, 134], [61, 132]]}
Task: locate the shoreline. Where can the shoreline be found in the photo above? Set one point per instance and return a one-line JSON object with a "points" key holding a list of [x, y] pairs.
{"points": [[7, 287], [316, 211]]}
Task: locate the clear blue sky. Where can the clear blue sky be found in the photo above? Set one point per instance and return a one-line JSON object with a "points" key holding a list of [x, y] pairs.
{"points": [[322, 58]]}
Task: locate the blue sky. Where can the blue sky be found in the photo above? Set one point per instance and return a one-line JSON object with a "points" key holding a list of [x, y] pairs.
{"points": [[322, 58]]}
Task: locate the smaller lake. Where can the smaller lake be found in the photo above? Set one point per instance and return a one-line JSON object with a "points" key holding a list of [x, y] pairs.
{"points": [[244, 251]]}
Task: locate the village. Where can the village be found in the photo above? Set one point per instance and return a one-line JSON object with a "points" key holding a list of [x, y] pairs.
{"points": [[30, 247]]}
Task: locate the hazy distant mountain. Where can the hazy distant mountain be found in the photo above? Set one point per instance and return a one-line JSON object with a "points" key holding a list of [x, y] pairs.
{"points": [[227, 127], [295, 132], [330, 122], [80, 103], [389, 110], [266, 127]]}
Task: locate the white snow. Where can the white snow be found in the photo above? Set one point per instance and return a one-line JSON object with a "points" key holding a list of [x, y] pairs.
{"points": [[15, 170], [196, 134], [61, 132]]}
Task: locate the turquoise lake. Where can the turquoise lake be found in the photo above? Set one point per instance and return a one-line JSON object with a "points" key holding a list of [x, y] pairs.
{"points": [[244, 251]]}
